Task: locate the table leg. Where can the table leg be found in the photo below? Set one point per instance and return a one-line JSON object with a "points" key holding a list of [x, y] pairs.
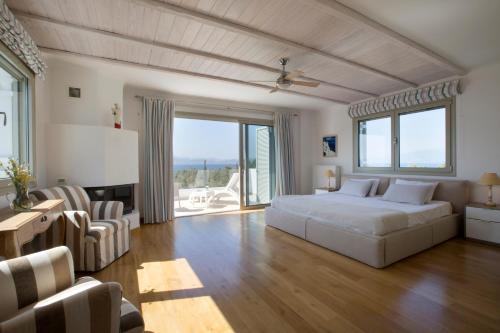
{"points": [[10, 245]]}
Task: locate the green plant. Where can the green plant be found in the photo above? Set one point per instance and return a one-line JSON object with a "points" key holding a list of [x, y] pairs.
{"points": [[20, 176]]}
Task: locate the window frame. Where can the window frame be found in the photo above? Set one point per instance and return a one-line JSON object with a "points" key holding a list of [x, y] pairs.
{"points": [[26, 123], [448, 170]]}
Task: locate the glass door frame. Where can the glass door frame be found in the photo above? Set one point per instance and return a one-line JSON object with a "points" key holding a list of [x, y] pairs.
{"points": [[241, 121], [242, 165]]}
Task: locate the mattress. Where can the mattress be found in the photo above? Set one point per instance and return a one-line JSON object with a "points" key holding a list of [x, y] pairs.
{"points": [[370, 215]]}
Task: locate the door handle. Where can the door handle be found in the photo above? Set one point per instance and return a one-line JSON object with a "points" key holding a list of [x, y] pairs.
{"points": [[4, 118]]}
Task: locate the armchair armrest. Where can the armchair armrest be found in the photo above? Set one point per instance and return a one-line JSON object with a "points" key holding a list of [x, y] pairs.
{"points": [[63, 311], [29, 279], [103, 210], [77, 221], [77, 225]]}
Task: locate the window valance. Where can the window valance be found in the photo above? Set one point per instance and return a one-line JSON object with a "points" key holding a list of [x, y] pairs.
{"points": [[422, 95], [13, 35]]}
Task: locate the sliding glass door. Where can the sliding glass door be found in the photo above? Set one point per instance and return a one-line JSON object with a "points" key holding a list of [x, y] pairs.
{"points": [[212, 157], [258, 174], [206, 170]]}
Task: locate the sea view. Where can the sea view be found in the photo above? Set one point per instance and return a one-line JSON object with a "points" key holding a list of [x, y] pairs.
{"points": [[200, 166]]}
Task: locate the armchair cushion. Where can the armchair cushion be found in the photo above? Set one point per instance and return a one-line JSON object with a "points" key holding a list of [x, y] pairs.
{"points": [[131, 320], [105, 210], [39, 294], [107, 227], [75, 197], [34, 277], [88, 306]]}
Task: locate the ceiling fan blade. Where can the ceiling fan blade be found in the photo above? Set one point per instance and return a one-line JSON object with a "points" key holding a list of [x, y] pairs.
{"points": [[263, 81], [306, 83], [275, 89], [293, 74]]}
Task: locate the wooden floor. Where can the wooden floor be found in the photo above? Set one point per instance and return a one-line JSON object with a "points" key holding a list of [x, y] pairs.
{"points": [[231, 273]]}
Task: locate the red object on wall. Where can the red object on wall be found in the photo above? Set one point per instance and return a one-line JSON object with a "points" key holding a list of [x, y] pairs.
{"points": [[117, 125]]}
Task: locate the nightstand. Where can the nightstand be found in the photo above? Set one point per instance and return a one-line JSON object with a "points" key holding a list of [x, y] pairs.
{"points": [[323, 190], [482, 223]]}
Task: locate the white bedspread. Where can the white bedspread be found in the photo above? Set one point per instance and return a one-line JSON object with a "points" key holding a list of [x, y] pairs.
{"points": [[369, 215]]}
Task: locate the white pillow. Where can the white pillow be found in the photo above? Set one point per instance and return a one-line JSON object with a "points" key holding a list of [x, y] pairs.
{"points": [[358, 188], [413, 194], [429, 196], [374, 188]]}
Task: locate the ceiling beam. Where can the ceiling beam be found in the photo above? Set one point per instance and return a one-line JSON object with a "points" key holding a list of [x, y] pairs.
{"points": [[249, 31], [339, 10], [183, 72], [107, 33]]}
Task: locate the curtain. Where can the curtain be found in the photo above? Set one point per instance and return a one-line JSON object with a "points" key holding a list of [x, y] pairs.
{"points": [[285, 168], [422, 95], [13, 35], [158, 125]]}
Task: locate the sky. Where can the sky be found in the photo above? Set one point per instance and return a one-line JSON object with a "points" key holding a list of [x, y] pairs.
{"points": [[210, 140], [422, 140], [205, 139]]}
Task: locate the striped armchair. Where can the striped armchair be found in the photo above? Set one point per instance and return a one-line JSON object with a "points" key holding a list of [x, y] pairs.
{"points": [[96, 232], [39, 294]]}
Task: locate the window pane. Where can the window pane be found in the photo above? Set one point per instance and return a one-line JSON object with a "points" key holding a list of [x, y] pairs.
{"points": [[9, 118], [259, 164], [423, 139], [375, 143]]}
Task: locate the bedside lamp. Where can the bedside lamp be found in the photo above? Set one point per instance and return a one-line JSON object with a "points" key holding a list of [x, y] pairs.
{"points": [[329, 174], [489, 179]]}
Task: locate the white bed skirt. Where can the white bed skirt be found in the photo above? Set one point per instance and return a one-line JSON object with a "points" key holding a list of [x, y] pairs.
{"points": [[376, 251]]}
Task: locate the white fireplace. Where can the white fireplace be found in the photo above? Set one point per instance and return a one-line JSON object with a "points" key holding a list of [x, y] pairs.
{"points": [[92, 156]]}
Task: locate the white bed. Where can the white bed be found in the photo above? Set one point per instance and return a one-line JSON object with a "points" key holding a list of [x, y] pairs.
{"points": [[369, 229], [368, 215]]}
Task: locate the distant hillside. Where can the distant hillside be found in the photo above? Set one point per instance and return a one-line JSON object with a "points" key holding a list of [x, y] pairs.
{"points": [[198, 161]]}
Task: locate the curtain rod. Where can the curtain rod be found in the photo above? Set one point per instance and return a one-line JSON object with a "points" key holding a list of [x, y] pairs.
{"points": [[224, 107]]}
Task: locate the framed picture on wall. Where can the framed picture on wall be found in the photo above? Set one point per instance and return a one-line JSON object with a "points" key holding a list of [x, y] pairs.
{"points": [[330, 146]]}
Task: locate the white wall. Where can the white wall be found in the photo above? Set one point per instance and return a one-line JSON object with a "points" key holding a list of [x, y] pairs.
{"points": [[106, 156], [54, 106], [98, 94], [478, 130]]}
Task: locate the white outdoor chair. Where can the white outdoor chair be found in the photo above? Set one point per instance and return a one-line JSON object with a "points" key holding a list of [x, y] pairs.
{"points": [[232, 188], [177, 195]]}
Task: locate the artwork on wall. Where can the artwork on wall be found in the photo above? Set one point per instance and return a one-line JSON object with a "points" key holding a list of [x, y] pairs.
{"points": [[74, 92], [330, 146]]}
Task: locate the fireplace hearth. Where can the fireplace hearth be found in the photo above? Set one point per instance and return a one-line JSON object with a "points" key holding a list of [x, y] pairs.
{"points": [[123, 193]]}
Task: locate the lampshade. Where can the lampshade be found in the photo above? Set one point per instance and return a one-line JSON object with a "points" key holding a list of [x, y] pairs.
{"points": [[489, 178], [329, 173]]}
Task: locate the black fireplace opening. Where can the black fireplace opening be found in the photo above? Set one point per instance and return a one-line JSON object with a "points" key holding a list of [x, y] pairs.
{"points": [[123, 193]]}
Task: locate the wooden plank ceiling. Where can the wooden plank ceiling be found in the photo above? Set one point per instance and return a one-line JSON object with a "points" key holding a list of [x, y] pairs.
{"points": [[240, 40]]}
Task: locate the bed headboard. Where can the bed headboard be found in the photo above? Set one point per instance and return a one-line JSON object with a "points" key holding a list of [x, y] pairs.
{"points": [[454, 191]]}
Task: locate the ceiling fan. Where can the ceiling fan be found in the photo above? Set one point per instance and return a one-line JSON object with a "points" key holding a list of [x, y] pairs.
{"points": [[287, 79]]}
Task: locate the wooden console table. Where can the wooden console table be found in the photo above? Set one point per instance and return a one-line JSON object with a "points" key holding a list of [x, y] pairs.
{"points": [[17, 229]]}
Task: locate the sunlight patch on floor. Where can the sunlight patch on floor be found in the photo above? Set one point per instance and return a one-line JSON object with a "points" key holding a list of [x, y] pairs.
{"points": [[170, 275], [194, 314]]}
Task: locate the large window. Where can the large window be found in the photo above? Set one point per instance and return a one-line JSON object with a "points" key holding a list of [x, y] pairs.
{"points": [[375, 143], [15, 113], [416, 140]]}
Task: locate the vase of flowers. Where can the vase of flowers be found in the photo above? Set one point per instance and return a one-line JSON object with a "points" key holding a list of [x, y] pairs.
{"points": [[20, 177]]}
